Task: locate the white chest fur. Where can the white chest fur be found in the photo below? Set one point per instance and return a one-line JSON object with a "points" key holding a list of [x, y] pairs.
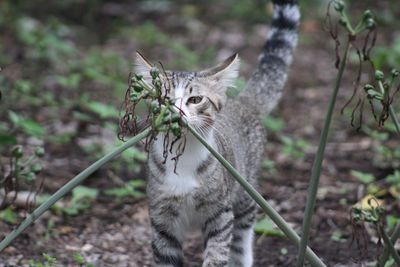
{"points": [[184, 180]]}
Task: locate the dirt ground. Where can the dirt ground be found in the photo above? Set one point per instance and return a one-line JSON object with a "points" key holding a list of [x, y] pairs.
{"points": [[117, 233]]}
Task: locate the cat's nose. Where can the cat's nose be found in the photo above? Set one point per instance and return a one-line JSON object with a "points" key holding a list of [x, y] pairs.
{"points": [[180, 108], [178, 101]]}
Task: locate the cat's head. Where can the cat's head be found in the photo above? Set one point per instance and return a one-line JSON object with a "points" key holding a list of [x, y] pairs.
{"points": [[200, 95]]}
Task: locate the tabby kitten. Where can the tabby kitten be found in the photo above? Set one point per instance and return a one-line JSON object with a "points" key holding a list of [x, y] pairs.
{"points": [[200, 193]]}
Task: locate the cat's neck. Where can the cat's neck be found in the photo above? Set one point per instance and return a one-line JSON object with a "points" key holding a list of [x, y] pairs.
{"points": [[183, 178]]}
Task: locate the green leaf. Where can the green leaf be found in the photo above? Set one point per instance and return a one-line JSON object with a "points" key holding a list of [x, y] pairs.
{"points": [[392, 221], [268, 164], [129, 190], [79, 259], [394, 178], [266, 226], [28, 126], [338, 236], [365, 178], [273, 124], [83, 192], [103, 110], [6, 139], [71, 81], [134, 153], [32, 128], [14, 117], [82, 197], [8, 215]]}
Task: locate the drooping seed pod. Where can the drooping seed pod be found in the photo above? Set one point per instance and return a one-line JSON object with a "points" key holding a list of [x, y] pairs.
{"points": [[18, 151], [368, 87], [134, 97], [175, 117], [343, 22], [367, 15], [370, 23], [138, 88], [167, 113], [138, 77], [157, 83], [154, 72], [395, 73], [155, 107], [176, 129], [374, 94], [338, 5], [30, 177], [167, 119], [36, 168], [39, 152], [379, 75]]}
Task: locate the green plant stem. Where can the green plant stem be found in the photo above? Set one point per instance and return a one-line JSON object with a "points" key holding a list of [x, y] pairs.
{"points": [[278, 220], [316, 169], [393, 238], [69, 186], [394, 118], [392, 113], [389, 245]]}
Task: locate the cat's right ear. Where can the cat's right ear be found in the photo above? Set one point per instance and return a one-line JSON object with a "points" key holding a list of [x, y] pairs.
{"points": [[142, 67]]}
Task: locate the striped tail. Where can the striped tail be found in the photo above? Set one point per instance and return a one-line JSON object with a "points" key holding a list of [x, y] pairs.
{"points": [[265, 86]]}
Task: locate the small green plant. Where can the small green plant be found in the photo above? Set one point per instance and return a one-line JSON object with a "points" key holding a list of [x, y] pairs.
{"points": [[81, 200], [28, 126], [338, 236], [365, 178], [131, 189], [394, 184], [267, 227], [274, 125], [387, 56], [22, 170], [8, 215], [294, 148], [48, 261], [79, 259]]}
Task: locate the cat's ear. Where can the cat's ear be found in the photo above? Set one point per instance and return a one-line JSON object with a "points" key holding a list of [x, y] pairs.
{"points": [[224, 73], [142, 67]]}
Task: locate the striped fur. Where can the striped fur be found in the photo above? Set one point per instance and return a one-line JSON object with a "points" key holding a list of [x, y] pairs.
{"points": [[201, 194], [264, 88]]}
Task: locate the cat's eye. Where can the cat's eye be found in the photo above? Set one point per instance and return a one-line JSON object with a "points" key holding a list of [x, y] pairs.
{"points": [[194, 99]]}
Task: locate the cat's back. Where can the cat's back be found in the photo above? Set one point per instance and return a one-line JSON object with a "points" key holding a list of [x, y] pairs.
{"points": [[241, 123]]}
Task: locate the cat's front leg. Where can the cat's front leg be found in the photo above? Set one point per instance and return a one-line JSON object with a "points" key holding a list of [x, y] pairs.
{"points": [[166, 244], [217, 231]]}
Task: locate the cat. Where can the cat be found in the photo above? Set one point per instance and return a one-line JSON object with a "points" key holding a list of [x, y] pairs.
{"points": [[200, 193]]}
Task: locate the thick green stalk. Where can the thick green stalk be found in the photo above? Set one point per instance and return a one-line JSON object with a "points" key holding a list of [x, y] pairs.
{"points": [[69, 186], [316, 169], [279, 221], [394, 119], [393, 238], [389, 245]]}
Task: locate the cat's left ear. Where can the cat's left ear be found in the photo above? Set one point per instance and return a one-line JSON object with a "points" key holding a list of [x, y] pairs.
{"points": [[142, 67], [226, 72]]}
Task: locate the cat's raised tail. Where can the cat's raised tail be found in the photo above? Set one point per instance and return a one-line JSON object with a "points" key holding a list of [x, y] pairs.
{"points": [[265, 86]]}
